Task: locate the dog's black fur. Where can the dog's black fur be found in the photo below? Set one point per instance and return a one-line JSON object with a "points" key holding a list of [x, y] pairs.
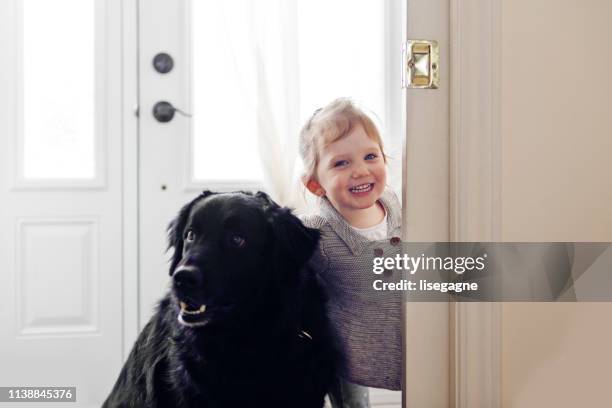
{"points": [[264, 338]]}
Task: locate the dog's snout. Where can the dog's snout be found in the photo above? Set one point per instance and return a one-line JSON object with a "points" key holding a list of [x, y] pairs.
{"points": [[187, 277]]}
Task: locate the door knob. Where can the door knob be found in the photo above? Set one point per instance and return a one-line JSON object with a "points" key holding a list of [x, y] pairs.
{"points": [[163, 63], [164, 111]]}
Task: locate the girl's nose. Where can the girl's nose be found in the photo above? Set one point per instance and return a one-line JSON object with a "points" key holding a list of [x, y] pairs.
{"points": [[360, 170]]}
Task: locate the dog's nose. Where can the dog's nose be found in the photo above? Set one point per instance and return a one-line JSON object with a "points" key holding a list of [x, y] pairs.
{"points": [[187, 277]]}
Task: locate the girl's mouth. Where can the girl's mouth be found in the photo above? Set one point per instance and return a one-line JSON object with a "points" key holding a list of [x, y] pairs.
{"points": [[362, 188]]}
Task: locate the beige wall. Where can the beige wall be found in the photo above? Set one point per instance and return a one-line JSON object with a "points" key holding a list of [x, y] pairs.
{"points": [[556, 172]]}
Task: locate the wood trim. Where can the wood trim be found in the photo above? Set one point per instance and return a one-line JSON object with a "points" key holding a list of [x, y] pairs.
{"points": [[130, 138], [475, 190], [475, 131], [477, 348], [425, 216]]}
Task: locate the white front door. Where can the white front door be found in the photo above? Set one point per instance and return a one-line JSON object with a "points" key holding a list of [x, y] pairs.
{"points": [[82, 237], [245, 75], [61, 181]]}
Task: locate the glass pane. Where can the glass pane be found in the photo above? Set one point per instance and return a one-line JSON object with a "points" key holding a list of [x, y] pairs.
{"points": [[58, 89], [306, 58], [223, 119], [342, 53]]}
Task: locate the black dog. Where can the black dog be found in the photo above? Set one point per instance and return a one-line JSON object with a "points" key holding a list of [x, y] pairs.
{"points": [[244, 324]]}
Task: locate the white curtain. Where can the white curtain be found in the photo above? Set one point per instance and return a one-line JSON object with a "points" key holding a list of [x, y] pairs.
{"points": [[293, 56], [263, 36]]}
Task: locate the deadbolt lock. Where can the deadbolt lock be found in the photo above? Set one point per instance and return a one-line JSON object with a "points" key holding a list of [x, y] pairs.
{"points": [[420, 64]]}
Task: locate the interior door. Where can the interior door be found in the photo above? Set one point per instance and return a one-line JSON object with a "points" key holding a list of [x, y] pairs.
{"points": [[241, 75], [532, 164], [61, 180]]}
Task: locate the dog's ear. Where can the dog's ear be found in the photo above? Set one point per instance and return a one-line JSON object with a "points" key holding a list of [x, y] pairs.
{"points": [[176, 228], [295, 243], [297, 240]]}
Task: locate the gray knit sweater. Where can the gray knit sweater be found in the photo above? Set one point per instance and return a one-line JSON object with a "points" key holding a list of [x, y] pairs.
{"points": [[366, 323]]}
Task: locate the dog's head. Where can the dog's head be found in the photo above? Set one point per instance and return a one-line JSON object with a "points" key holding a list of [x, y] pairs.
{"points": [[233, 253]]}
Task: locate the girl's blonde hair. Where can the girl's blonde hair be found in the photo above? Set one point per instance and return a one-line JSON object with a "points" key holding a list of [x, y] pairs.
{"points": [[329, 124]]}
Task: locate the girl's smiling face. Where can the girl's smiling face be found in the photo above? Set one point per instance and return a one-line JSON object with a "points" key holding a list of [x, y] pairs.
{"points": [[351, 173]]}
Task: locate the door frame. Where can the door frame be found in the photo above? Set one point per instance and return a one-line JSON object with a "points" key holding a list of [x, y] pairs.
{"points": [[469, 34], [426, 209], [475, 190]]}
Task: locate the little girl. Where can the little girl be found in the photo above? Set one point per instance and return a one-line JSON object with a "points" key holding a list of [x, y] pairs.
{"points": [[346, 167]]}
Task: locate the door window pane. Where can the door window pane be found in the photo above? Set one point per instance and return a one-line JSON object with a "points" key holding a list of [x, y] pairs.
{"points": [[341, 53], [224, 122], [58, 89]]}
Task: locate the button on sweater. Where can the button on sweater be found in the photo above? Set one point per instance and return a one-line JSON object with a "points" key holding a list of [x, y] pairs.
{"points": [[367, 323]]}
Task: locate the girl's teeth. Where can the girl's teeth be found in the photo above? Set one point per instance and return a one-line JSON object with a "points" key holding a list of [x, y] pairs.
{"points": [[361, 188]]}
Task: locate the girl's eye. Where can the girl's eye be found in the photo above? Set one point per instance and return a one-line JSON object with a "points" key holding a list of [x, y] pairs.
{"points": [[371, 156], [190, 236], [340, 163], [237, 241]]}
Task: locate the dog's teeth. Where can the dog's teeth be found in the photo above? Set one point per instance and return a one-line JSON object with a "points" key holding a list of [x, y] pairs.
{"points": [[185, 309]]}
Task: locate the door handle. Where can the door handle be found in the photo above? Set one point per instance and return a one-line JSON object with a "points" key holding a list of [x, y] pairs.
{"points": [[164, 111]]}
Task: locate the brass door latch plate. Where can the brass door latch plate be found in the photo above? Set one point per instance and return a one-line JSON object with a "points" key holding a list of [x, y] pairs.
{"points": [[420, 64]]}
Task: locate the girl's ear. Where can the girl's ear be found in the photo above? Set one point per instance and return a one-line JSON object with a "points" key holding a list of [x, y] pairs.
{"points": [[314, 187]]}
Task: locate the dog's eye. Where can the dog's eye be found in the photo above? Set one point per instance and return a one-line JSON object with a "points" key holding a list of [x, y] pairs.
{"points": [[237, 241], [190, 236]]}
